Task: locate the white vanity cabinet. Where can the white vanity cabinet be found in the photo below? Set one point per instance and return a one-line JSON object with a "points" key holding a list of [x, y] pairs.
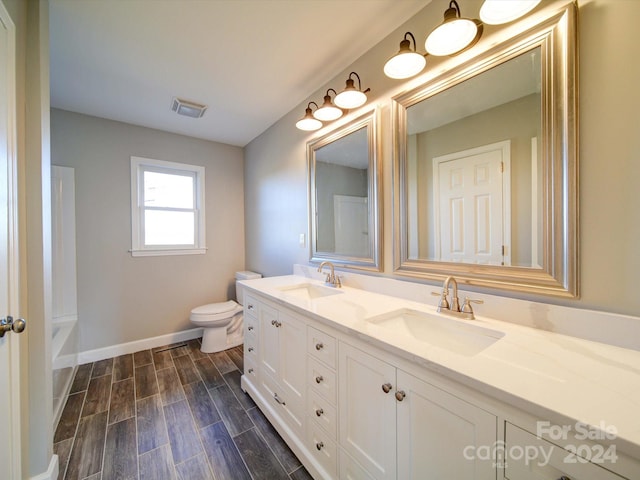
{"points": [[396, 425], [546, 461], [282, 362], [352, 409]]}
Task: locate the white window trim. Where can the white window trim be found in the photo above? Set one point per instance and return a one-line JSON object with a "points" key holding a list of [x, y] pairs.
{"points": [[138, 249]]}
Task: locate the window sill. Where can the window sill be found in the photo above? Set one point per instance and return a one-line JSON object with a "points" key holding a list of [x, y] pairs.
{"points": [[160, 252]]}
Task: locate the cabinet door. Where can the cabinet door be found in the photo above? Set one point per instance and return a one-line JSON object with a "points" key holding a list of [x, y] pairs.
{"points": [[367, 414], [438, 432], [269, 344], [546, 461], [293, 355]]}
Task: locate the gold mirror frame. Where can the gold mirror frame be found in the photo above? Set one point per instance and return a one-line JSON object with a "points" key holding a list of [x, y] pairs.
{"points": [[556, 36], [373, 262]]}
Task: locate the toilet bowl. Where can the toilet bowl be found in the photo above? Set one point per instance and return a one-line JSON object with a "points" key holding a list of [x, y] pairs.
{"points": [[222, 322]]}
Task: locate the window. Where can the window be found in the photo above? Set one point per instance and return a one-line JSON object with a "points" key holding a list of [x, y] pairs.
{"points": [[167, 208]]}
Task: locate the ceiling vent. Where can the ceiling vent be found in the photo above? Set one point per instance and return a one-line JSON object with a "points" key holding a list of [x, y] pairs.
{"points": [[188, 109]]}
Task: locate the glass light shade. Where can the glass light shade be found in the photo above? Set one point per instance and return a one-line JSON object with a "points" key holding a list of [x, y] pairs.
{"points": [[451, 37], [350, 99], [308, 123], [327, 112], [404, 65], [496, 12]]}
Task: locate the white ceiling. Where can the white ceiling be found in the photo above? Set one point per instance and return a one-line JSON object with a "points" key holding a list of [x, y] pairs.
{"points": [[250, 61]]}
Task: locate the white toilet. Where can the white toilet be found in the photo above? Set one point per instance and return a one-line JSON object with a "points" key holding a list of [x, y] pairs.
{"points": [[222, 322]]}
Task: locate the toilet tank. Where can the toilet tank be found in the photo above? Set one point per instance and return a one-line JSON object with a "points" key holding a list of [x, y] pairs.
{"points": [[244, 275]]}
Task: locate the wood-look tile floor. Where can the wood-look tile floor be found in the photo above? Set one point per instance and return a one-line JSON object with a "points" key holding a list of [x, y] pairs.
{"points": [[172, 412]]}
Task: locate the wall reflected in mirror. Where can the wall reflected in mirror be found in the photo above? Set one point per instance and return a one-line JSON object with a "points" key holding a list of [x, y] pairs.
{"points": [[485, 165], [342, 196], [474, 187], [343, 189]]}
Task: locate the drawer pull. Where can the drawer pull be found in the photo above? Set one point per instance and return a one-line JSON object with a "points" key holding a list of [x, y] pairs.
{"points": [[386, 387], [319, 412], [250, 370], [249, 328], [278, 399], [250, 306], [275, 323], [564, 477], [319, 379], [400, 395], [319, 346], [319, 445], [250, 349]]}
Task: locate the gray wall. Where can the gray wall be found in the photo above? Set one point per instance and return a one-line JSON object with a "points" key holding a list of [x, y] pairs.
{"points": [[609, 160], [122, 298]]}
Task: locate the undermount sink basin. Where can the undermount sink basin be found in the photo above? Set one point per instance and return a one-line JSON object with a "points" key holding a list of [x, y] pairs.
{"points": [[439, 331], [308, 291]]}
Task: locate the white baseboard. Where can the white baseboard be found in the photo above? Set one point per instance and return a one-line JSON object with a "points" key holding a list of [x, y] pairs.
{"points": [[52, 471], [135, 346]]}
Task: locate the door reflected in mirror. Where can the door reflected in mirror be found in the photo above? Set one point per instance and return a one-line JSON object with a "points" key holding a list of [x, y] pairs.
{"points": [[343, 187], [485, 165], [473, 176]]}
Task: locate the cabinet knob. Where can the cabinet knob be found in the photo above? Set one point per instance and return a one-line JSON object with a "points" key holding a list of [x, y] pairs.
{"points": [[319, 446], [319, 379], [278, 399], [400, 395], [250, 307], [319, 346], [250, 370], [319, 412], [249, 328], [250, 349], [386, 387]]}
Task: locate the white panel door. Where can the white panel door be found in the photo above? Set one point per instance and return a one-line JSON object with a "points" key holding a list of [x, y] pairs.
{"points": [[9, 281], [472, 211], [351, 224]]}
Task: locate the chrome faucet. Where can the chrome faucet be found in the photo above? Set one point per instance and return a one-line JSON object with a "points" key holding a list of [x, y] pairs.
{"points": [[453, 308], [331, 279]]}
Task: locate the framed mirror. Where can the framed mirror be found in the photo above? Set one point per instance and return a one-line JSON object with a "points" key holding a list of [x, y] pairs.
{"points": [[343, 195], [485, 167]]}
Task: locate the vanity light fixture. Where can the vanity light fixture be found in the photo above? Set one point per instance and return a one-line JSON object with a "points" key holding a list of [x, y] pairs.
{"points": [[328, 111], [406, 63], [308, 122], [351, 97], [454, 34], [497, 12]]}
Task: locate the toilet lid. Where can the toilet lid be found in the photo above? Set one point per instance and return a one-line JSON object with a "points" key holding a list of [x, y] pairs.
{"points": [[213, 308]]}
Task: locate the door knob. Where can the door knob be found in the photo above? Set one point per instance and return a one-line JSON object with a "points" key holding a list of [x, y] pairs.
{"points": [[8, 324]]}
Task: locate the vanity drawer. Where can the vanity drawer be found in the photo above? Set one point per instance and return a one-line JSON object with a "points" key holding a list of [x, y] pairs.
{"points": [[529, 457], [250, 305], [251, 348], [250, 370], [322, 379], [322, 413], [322, 346], [283, 404], [323, 449], [250, 324]]}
